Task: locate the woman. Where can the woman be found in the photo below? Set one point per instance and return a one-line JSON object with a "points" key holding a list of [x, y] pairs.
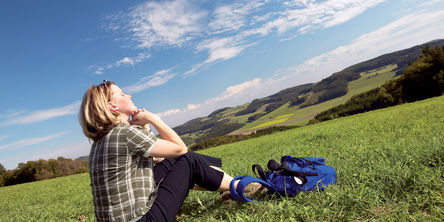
{"points": [[125, 185]]}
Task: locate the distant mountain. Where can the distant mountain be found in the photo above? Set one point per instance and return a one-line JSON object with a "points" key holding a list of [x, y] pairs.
{"points": [[228, 119], [84, 158]]}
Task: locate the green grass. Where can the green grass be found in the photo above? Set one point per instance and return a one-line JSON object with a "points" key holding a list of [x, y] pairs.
{"points": [[301, 116], [272, 122], [59, 199], [283, 116], [390, 166]]}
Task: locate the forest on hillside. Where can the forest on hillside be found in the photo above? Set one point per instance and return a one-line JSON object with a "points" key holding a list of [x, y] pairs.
{"points": [[422, 79], [41, 170]]}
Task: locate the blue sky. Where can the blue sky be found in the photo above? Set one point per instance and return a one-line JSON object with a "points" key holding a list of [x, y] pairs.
{"points": [[180, 59]]}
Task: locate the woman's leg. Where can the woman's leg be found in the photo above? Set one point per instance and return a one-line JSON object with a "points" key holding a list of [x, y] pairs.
{"points": [[225, 184], [177, 177], [162, 167]]}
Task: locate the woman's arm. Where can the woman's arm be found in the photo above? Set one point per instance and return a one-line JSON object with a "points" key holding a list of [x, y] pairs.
{"points": [[171, 145]]}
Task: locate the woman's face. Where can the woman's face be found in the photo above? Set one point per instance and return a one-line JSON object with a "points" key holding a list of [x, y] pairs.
{"points": [[121, 102]]}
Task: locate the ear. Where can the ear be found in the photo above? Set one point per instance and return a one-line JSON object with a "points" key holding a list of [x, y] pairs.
{"points": [[113, 107]]}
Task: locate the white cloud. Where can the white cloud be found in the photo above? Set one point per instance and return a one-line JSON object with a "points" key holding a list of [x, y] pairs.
{"points": [[220, 49], [348, 13], [194, 69], [11, 114], [157, 79], [310, 15], [151, 24], [228, 93], [126, 61], [228, 29], [429, 2], [99, 71], [165, 23], [134, 60], [410, 30], [41, 115], [236, 89], [73, 151], [3, 137], [169, 112], [232, 17], [30, 141], [407, 31], [192, 106], [232, 95]]}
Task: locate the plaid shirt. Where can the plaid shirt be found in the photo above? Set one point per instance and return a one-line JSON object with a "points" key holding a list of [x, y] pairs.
{"points": [[121, 173]]}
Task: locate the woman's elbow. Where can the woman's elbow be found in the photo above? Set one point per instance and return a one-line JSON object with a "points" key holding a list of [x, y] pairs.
{"points": [[182, 149], [164, 148]]}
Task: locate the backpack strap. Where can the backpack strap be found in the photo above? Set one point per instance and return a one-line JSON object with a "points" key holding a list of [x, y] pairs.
{"points": [[260, 171], [233, 192], [312, 165], [238, 194], [286, 167]]}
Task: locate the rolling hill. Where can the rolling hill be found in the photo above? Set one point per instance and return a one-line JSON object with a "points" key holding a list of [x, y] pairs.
{"points": [[297, 105]]}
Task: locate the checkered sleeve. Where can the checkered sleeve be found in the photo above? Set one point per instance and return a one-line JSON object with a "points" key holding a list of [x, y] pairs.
{"points": [[140, 141]]}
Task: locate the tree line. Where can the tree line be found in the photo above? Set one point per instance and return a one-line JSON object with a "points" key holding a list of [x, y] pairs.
{"points": [[41, 170], [220, 140], [422, 79], [47, 169]]}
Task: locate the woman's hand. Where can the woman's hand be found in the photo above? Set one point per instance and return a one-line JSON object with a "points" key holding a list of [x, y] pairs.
{"points": [[142, 117], [170, 144]]}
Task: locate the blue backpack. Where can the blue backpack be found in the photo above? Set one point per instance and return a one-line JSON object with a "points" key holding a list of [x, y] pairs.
{"points": [[293, 175]]}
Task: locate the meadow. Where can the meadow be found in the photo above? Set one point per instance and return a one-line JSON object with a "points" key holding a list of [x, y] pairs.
{"points": [[300, 116], [389, 162]]}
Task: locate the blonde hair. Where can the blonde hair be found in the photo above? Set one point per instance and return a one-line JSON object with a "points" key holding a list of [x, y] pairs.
{"points": [[95, 117]]}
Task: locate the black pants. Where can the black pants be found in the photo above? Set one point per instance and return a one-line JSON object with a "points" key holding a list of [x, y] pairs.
{"points": [[178, 176]]}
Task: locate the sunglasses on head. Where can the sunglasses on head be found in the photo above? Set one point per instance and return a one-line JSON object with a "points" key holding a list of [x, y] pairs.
{"points": [[106, 82]]}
